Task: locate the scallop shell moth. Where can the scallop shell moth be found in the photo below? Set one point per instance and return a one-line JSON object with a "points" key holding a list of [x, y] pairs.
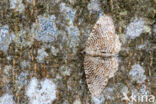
{"points": [[100, 61]]}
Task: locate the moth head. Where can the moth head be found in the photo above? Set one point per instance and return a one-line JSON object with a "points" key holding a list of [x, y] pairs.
{"points": [[84, 52]]}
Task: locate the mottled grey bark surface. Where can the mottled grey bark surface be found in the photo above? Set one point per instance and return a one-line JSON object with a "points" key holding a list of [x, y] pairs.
{"points": [[41, 43]]}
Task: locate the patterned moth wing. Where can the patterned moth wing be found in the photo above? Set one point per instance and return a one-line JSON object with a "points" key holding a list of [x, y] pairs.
{"points": [[102, 40], [100, 62], [98, 70]]}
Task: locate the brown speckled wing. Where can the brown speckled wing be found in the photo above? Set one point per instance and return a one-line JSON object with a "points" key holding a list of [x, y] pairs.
{"points": [[98, 70], [103, 37]]}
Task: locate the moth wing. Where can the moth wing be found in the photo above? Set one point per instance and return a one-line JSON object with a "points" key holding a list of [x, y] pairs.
{"points": [[98, 71], [103, 37]]}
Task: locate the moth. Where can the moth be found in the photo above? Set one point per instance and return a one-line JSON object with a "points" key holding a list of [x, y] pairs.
{"points": [[100, 60]]}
